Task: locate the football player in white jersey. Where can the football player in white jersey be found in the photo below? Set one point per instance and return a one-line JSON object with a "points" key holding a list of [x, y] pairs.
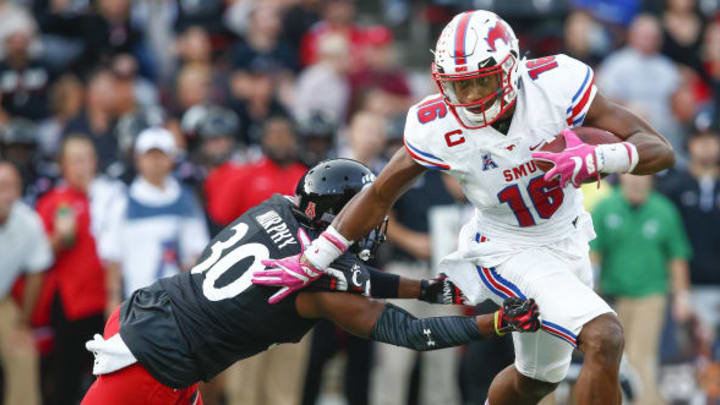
{"points": [[530, 233]]}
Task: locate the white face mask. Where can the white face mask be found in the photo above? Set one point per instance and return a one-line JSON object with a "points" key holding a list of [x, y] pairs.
{"points": [[477, 118]]}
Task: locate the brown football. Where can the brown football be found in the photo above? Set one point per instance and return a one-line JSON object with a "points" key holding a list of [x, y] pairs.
{"points": [[593, 136]]}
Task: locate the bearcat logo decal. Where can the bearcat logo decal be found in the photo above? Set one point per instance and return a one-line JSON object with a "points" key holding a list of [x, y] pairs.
{"points": [[498, 32], [310, 210]]}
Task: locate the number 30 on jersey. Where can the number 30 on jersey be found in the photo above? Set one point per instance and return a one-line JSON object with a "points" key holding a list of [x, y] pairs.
{"points": [[217, 264]]}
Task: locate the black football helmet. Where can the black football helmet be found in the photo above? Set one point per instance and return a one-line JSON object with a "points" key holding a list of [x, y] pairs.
{"points": [[325, 189]]}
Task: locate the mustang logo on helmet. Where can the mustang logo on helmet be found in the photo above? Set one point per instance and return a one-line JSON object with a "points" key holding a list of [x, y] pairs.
{"points": [[498, 32]]}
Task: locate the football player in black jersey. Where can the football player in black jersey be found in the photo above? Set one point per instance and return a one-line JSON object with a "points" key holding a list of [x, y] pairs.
{"points": [[183, 329]]}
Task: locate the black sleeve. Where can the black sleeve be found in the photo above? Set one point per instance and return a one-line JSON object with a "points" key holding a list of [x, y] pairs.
{"points": [[400, 328], [383, 285]]}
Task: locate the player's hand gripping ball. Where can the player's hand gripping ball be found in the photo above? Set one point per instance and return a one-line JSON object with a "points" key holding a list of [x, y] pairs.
{"points": [[571, 157], [517, 315]]}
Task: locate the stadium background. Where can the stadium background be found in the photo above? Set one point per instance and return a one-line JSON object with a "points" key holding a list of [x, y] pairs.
{"points": [[301, 80]]}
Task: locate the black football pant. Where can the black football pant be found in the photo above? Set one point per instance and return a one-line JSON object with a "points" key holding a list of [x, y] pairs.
{"points": [[71, 369]]}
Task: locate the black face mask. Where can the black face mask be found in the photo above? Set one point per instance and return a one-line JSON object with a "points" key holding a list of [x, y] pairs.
{"points": [[366, 247]]}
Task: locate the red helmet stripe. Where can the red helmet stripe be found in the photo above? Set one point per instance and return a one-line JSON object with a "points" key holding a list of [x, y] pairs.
{"points": [[460, 38]]}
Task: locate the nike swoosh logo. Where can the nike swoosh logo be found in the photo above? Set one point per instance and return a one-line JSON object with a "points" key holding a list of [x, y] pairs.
{"points": [[576, 169], [536, 146]]}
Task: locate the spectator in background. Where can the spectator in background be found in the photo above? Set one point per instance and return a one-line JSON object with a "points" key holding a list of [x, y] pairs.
{"points": [[77, 277], [23, 248], [262, 40], [97, 119], [12, 16], [637, 219], [327, 77], [262, 43], [277, 172], [65, 102], [62, 25], [585, 39], [157, 228], [126, 131], [192, 87], [219, 156], [695, 190], [132, 90], [214, 129], [317, 138], [711, 59], [24, 77], [682, 33], [338, 18], [112, 33], [254, 92], [298, 19], [205, 13], [409, 233], [82, 35], [18, 144], [639, 77], [366, 138], [193, 47], [381, 72]]}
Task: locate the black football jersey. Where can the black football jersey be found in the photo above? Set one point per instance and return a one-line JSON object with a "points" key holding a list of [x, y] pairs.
{"points": [[191, 326]]}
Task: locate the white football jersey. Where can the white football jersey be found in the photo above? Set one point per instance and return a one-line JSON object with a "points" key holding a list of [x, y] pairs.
{"points": [[497, 173]]}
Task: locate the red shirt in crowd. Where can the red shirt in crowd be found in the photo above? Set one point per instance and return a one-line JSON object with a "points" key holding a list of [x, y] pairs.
{"points": [[310, 42], [212, 186], [77, 275], [247, 186]]}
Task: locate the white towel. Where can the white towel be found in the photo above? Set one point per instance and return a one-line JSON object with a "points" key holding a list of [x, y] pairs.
{"points": [[110, 355]]}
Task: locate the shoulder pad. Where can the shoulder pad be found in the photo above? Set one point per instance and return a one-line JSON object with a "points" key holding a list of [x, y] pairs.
{"points": [[424, 122], [569, 82]]}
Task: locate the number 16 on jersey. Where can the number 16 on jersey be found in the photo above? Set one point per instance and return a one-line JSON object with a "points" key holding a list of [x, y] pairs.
{"points": [[546, 197]]}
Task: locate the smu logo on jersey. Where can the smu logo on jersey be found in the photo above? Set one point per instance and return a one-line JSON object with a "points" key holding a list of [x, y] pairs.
{"points": [[488, 163], [520, 171], [498, 32]]}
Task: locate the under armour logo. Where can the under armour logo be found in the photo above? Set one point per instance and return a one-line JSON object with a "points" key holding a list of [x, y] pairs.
{"points": [[427, 333]]}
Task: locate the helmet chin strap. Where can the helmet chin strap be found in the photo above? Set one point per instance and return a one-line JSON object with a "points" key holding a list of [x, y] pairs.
{"points": [[490, 113]]}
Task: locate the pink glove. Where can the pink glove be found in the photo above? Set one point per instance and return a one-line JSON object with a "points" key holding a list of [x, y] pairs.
{"points": [[575, 163], [290, 273]]}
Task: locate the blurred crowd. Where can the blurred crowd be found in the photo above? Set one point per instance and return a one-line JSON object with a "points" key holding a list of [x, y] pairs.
{"points": [[132, 131]]}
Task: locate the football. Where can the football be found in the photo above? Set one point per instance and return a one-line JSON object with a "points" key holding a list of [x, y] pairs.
{"points": [[593, 136]]}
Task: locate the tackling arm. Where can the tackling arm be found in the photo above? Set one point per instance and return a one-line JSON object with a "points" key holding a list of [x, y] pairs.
{"points": [[390, 324], [438, 290], [654, 151]]}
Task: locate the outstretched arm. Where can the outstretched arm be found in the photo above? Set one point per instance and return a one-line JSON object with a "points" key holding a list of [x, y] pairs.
{"points": [[438, 290], [654, 151], [643, 150], [390, 324]]}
